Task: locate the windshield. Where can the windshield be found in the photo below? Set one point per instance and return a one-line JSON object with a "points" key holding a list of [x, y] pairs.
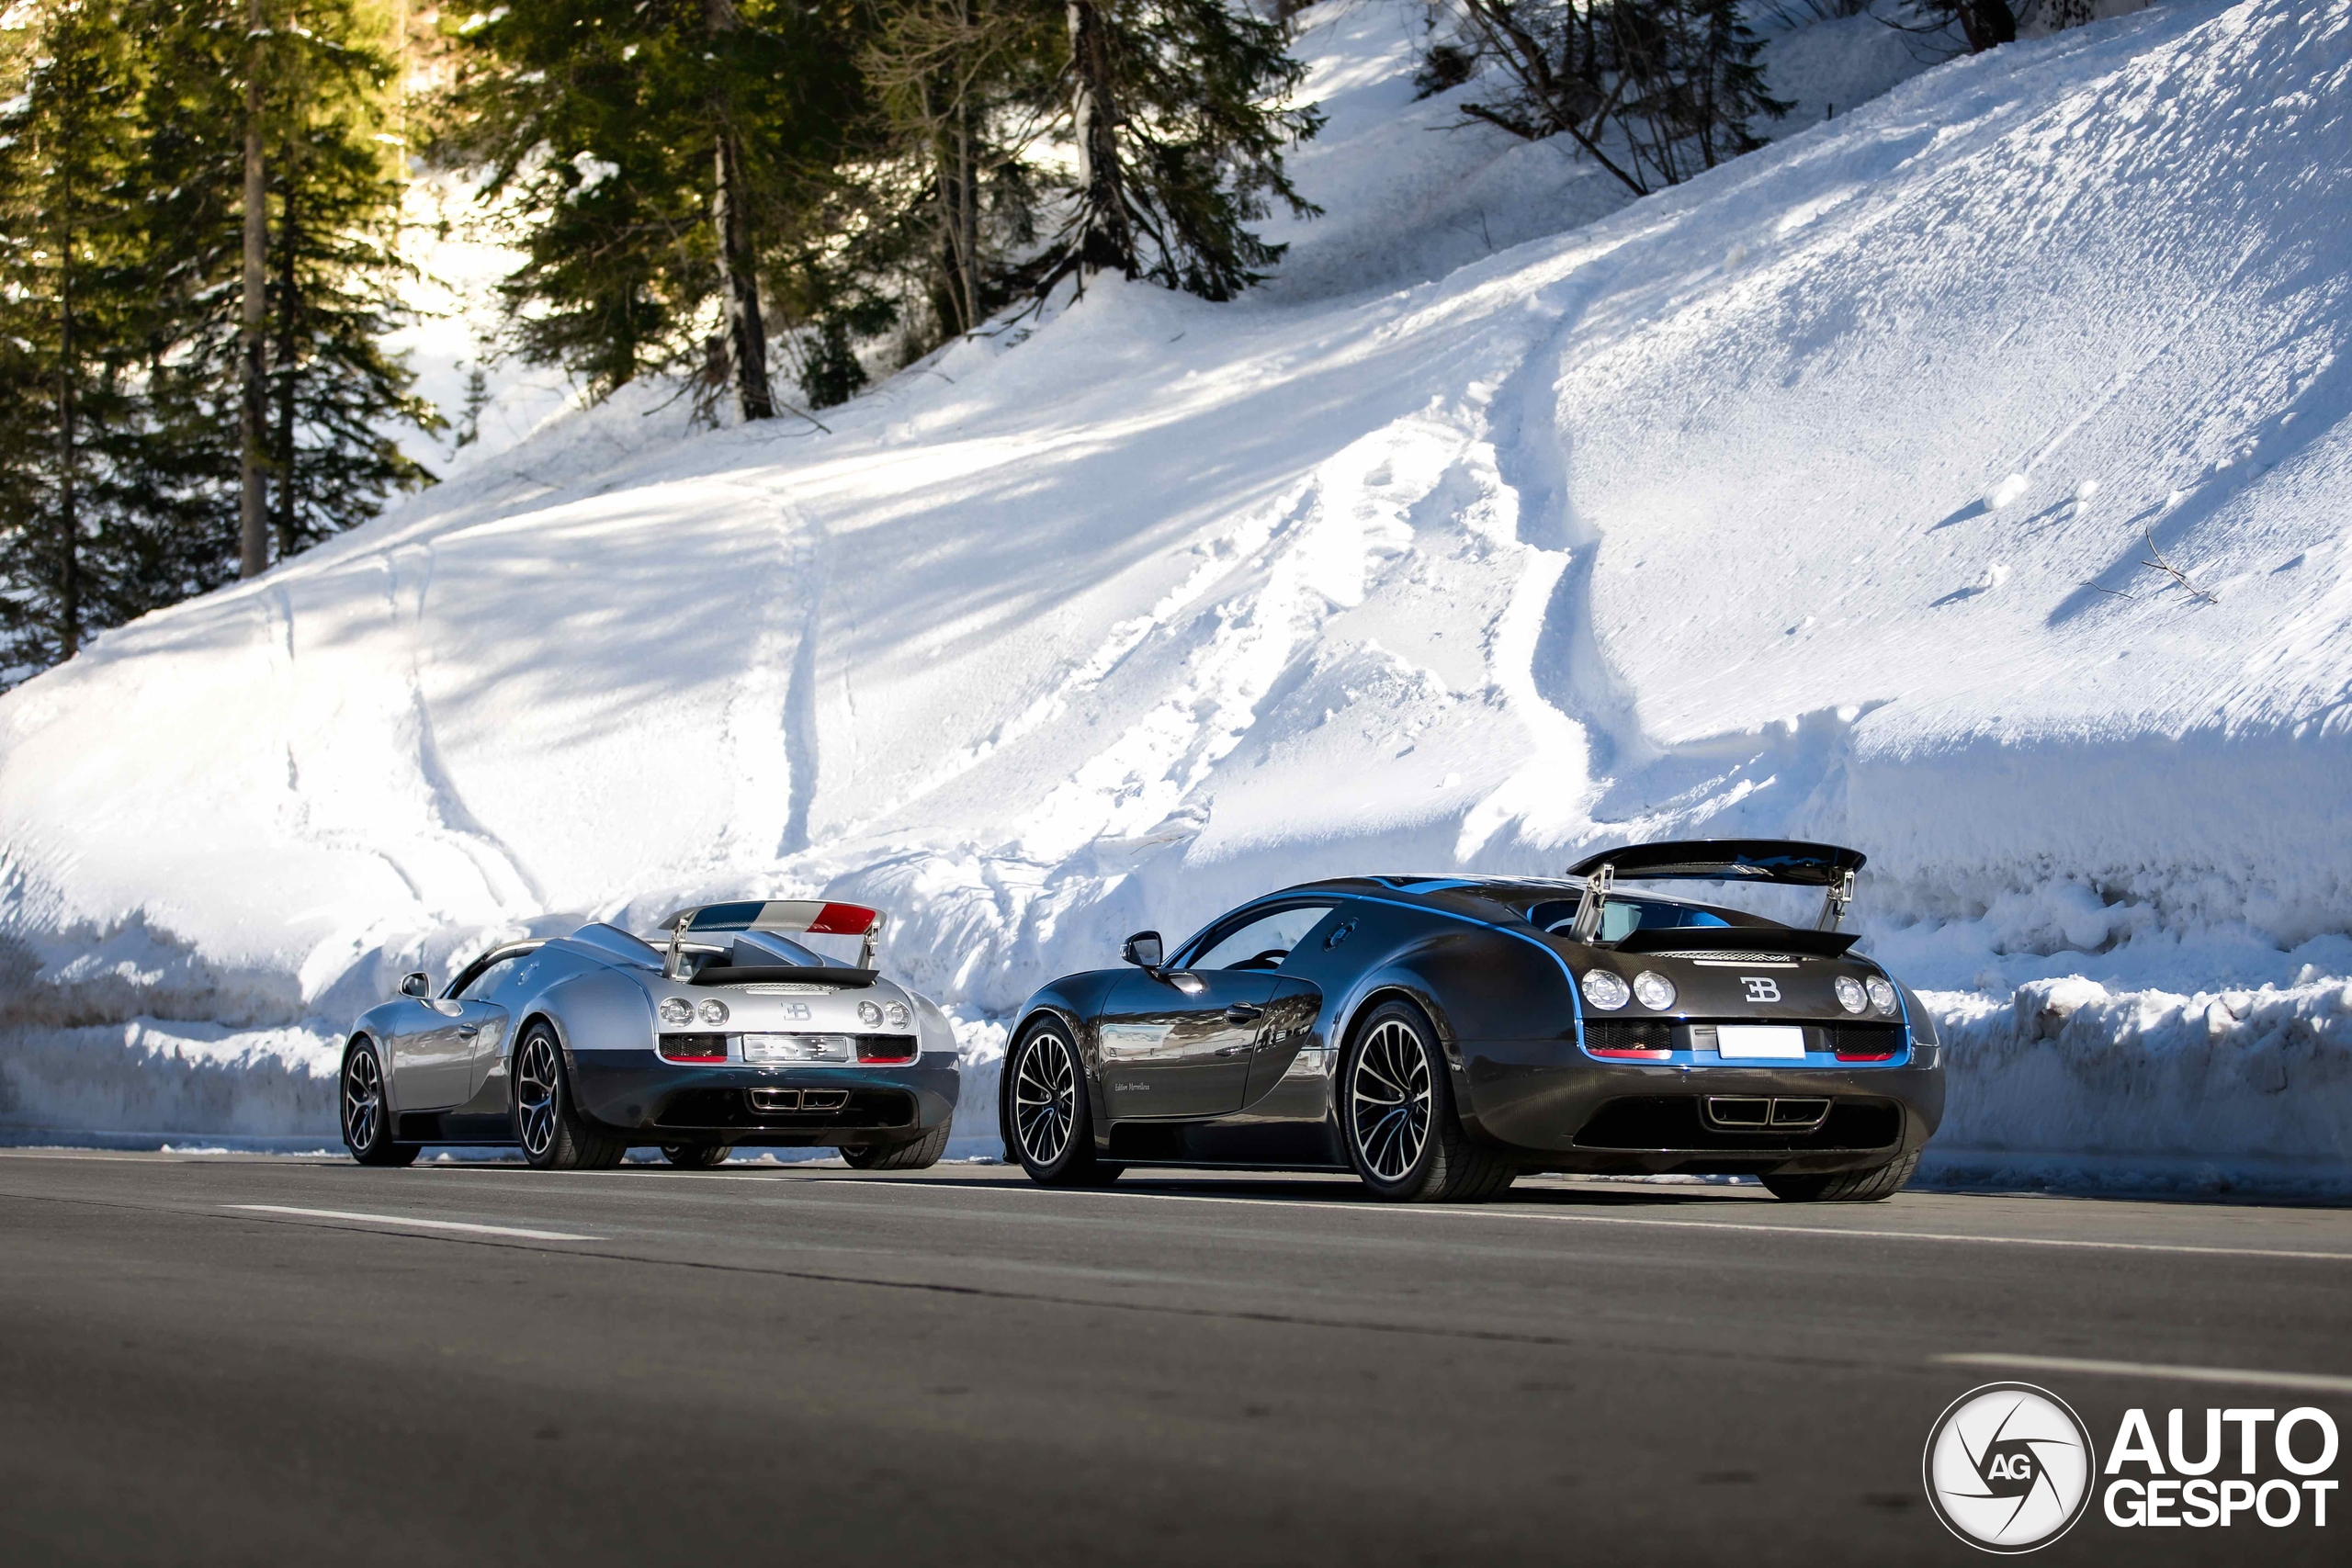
{"points": [[1622, 916]]}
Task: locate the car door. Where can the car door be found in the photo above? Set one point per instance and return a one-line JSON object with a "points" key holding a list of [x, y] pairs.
{"points": [[432, 1063], [1179, 1044], [486, 1008]]}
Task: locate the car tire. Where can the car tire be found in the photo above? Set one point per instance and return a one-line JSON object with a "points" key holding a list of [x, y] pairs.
{"points": [[915, 1154], [697, 1157], [1049, 1121], [554, 1135], [1873, 1185], [1397, 1116], [366, 1117]]}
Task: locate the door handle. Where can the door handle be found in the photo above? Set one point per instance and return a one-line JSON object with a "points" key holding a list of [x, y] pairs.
{"points": [[1243, 1012], [468, 1030]]}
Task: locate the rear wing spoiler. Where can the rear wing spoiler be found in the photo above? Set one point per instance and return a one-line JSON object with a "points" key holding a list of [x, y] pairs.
{"points": [[1788, 861], [813, 916]]}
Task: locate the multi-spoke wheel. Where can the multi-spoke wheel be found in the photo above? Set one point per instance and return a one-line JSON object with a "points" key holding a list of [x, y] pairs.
{"points": [[1396, 1112], [366, 1118], [1046, 1120], [554, 1137], [1388, 1097]]}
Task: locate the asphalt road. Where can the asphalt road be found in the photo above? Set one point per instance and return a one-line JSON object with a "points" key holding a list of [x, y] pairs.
{"points": [[267, 1360]]}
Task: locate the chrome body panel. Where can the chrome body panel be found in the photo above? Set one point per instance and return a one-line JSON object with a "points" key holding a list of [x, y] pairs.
{"points": [[448, 1059]]}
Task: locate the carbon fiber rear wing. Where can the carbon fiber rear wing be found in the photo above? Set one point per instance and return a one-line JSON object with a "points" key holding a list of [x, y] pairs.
{"points": [[1789, 862]]}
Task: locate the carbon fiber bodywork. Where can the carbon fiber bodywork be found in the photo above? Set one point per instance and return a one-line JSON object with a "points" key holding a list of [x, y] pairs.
{"points": [[1527, 1058], [839, 1057]]}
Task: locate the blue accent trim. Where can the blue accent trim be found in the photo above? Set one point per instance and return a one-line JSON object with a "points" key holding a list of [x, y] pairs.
{"points": [[1576, 997], [1910, 1036]]}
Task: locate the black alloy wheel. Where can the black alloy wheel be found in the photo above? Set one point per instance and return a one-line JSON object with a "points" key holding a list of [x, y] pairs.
{"points": [[554, 1135], [697, 1157], [366, 1116], [911, 1154], [1397, 1121], [1047, 1120]]}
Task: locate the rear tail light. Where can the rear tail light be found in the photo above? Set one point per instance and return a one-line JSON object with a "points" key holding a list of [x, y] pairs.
{"points": [[694, 1047], [1625, 1054], [1866, 1056], [885, 1048]]}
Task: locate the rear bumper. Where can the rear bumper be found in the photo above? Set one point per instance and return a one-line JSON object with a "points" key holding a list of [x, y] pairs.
{"points": [[636, 1091], [1560, 1110]]}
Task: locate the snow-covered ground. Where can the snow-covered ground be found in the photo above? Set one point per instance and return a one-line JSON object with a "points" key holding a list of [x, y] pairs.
{"points": [[1809, 498]]}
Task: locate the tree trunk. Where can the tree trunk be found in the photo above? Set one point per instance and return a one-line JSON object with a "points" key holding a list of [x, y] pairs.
{"points": [[961, 176], [1986, 24], [739, 281], [252, 513], [69, 518], [1106, 237], [747, 333], [969, 195], [288, 307]]}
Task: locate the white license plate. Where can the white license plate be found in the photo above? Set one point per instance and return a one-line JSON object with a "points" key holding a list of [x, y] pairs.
{"points": [[798, 1048], [1760, 1041]]}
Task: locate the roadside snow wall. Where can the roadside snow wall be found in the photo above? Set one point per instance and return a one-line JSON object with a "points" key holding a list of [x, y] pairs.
{"points": [[1811, 497]]}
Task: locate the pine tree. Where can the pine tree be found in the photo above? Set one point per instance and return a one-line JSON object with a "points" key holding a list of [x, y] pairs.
{"points": [[961, 85], [657, 157], [330, 390], [74, 557], [1177, 109]]}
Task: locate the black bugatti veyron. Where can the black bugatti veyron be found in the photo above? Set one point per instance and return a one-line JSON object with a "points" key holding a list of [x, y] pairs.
{"points": [[1441, 1034]]}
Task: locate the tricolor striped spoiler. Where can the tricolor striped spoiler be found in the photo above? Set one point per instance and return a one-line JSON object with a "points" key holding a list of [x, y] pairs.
{"points": [[813, 916]]}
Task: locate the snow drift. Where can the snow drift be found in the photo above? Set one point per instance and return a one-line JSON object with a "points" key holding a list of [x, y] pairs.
{"points": [[1808, 498]]}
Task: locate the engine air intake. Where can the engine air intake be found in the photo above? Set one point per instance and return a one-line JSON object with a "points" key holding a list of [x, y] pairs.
{"points": [[694, 1047], [1631, 1039]]}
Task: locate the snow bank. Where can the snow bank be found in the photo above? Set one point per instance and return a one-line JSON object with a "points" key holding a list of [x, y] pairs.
{"points": [[1806, 498]]}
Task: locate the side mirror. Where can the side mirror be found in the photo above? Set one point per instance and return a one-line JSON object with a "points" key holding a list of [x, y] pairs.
{"points": [[1144, 950], [419, 985]]}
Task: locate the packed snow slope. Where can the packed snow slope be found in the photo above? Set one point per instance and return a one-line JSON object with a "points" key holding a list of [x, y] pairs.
{"points": [[1809, 498]]}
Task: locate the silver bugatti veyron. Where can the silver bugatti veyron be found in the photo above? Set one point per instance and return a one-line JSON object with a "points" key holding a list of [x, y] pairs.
{"points": [[721, 1029]]}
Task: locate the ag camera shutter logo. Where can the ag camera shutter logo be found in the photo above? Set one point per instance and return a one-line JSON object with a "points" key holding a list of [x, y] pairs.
{"points": [[2009, 1467]]}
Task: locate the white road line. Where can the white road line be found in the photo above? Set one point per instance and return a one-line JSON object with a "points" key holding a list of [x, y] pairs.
{"points": [[413, 1224], [1768, 1228], [1550, 1214], [2316, 1382]]}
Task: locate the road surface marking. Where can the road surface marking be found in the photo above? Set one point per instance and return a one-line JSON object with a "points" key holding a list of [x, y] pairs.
{"points": [[1765, 1227], [416, 1223], [2317, 1382], [1513, 1212]]}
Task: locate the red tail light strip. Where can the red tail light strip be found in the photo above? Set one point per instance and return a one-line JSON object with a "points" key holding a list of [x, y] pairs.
{"points": [[842, 919]]}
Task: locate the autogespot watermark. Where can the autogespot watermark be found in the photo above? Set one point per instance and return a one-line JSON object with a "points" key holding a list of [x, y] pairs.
{"points": [[2010, 1468]]}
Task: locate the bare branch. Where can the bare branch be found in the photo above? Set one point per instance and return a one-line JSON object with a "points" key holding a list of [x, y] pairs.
{"points": [[2178, 576]]}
